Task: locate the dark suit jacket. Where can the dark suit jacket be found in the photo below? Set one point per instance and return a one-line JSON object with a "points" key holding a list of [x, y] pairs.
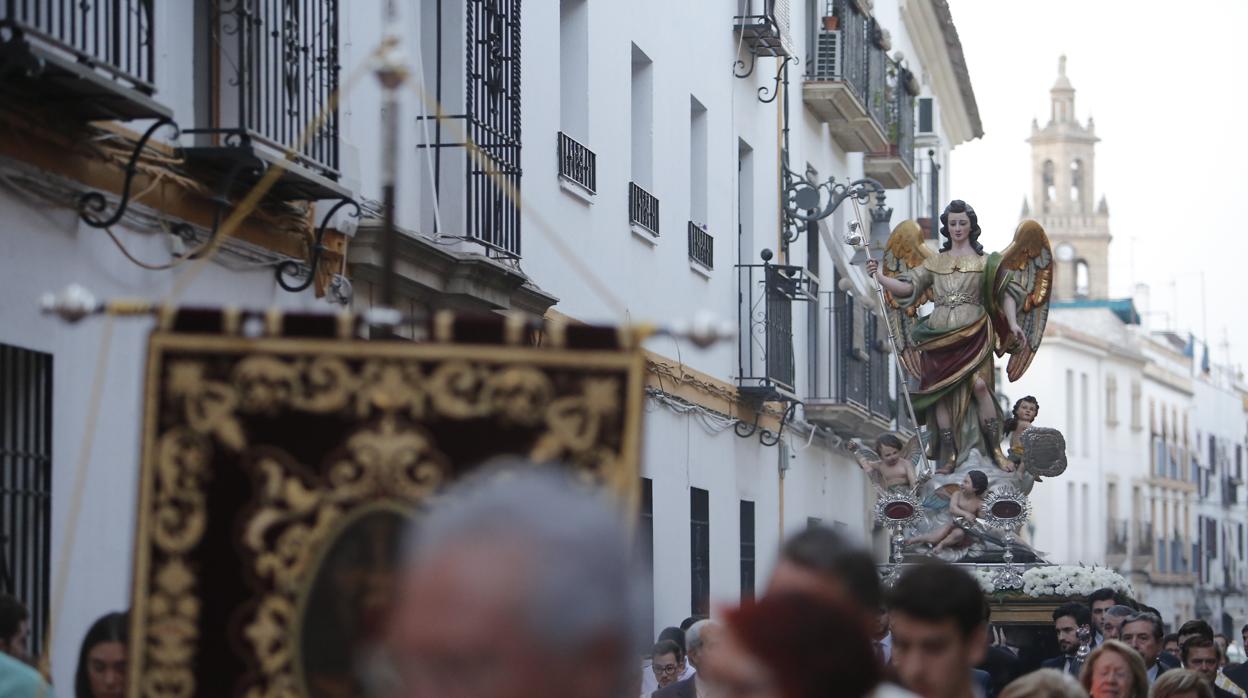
{"points": [[1169, 661], [1002, 666], [1059, 663], [680, 689]]}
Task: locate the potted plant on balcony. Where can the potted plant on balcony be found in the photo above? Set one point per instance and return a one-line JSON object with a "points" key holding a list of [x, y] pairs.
{"points": [[831, 23]]}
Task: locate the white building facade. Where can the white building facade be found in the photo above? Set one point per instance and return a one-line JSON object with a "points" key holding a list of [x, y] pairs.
{"points": [[647, 172]]}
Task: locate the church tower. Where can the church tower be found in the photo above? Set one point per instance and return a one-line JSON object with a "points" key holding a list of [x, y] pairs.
{"points": [[1063, 165]]}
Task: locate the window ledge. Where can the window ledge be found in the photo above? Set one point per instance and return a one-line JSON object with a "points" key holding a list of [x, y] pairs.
{"points": [[650, 237], [576, 190], [700, 269]]}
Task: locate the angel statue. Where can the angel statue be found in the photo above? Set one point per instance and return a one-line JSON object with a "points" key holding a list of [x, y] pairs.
{"points": [[984, 304], [891, 464]]}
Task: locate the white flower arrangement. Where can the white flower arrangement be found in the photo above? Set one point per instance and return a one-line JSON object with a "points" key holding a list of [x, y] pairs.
{"points": [[984, 577], [1072, 580]]}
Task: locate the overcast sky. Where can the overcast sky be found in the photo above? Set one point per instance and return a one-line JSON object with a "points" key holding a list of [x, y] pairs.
{"points": [[1166, 84]]}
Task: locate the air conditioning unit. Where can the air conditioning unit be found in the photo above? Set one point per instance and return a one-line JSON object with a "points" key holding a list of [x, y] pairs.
{"points": [[828, 55]]}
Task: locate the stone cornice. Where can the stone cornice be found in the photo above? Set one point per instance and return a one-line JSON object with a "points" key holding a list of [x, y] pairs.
{"points": [[935, 37]]}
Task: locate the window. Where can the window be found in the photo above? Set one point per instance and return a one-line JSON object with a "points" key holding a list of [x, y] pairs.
{"points": [[574, 69], [1084, 407], [747, 550], [645, 541], [642, 119], [1071, 531], [813, 521], [926, 120], [1076, 181], [1111, 400], [1137, 419], [1070, 408], [699, 552], [697, 162], [1082, 279], [1050, 189], [26, 482]]}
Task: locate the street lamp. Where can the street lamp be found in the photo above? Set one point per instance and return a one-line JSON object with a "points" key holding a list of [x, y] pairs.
{"points": [[806, 201]]}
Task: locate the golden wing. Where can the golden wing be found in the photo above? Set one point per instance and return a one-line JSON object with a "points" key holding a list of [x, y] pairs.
{"points": [[905, 251], [1027, 262]]}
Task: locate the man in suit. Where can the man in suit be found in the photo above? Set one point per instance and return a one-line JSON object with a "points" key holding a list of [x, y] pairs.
{"points": [[1201, 655], [700, 640], [1143, 631], [1101, 601], [1239, 674], [1067, 619]]}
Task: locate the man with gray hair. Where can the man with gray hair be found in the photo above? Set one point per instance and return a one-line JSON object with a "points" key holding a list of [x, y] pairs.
{"points": [[1111, 623], [701, 640], [1143, 631], [520, 584]]}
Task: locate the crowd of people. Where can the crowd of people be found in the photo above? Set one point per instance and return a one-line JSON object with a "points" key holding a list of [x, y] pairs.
{"points": [[524, 584]]}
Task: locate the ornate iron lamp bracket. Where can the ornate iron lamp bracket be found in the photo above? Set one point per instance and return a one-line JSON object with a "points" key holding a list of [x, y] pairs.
{"points": [[766, 94], [806, 200], [293, 268], [91, 204]]}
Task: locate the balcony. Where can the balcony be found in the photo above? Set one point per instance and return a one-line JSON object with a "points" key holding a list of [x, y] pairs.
{"points": [[701, 246], [92, 59], [643, 209], [1116, 542], [764, 27], [273, 79], [845, 79], [1142, 552], [767, 292], [894, 167], [851, 392], [577, 164]]}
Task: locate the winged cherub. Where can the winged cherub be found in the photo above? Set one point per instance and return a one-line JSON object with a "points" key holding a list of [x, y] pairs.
{"points": [[984, 304], [891, 465]]}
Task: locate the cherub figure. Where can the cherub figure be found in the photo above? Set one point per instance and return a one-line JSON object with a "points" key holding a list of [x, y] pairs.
{"points": [[1024, 415], [964, 511], [889, 466]]}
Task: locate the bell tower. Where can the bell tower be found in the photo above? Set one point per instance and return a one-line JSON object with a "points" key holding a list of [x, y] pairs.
{"points": [[1063, 165]]}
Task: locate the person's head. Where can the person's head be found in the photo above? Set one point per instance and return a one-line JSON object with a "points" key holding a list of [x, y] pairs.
{"points": [[795, 646], [686, 623], [667, 660], [1067, 620], [958, 222], [1143, 631], [1194, 628], [1111, 622], [821, 562], [1114, 670], [1181, 683], [510, 570], [1201, 655], [1170, 643], [1102, 599], [938, 626], [14, 627], [1244, 634], [102, 660], [975, 483], [1221, 641], [703, 639], [1044, 683], [675, 635], [889, 447], [1025, 409]]}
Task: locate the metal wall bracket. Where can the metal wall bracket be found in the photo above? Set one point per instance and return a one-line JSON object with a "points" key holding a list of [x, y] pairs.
{"points": [[806, 201], [92, 204], [766, 94], [292, 268]]}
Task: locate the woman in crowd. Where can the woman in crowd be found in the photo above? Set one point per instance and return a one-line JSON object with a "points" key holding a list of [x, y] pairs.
{"points": [[793, 646], [102, 660], [1181, 683], [1044, 683], [1114, 670]]}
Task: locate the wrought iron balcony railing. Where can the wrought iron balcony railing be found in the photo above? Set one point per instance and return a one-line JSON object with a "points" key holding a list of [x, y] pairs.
{"points": [[701, 246], [1116, 537], [273, 87], [846, 74], [643, 209], [851, 392], [1143, 539], [766, 363], [577, 163], [764, 27], [97, 57]]}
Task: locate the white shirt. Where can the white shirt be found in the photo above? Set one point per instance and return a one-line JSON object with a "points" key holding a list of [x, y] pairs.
{"points": [[886, 647], [1152, 672]]}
